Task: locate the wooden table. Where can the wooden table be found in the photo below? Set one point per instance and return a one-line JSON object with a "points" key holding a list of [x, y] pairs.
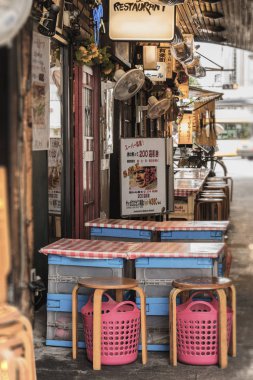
{"points": [[187, 184], [121, 229]]}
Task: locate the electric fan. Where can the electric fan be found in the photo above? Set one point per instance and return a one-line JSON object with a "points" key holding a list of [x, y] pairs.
{"points": [[128, 83]]}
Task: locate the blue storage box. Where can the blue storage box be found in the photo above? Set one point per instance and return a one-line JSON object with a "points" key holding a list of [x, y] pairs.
{"points": [[65, 272], [123, 234], [192, 235]]}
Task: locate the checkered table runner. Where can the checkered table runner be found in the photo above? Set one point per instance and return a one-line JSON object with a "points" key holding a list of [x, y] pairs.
{"points": [[184, 225], [122, 223], [186, 250], [100, 249], [89, 249]]}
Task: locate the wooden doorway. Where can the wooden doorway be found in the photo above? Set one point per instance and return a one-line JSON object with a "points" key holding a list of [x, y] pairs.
{"points": [[86, 156]]}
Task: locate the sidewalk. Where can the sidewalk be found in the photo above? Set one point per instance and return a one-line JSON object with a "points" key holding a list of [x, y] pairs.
{"points": [[56, 363]]}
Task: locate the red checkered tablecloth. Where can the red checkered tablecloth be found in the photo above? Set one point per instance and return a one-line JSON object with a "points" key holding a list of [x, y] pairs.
{"points": [[186, 187], [122, 223], [185, 225], [89, 249], [186, 250], [100, 249]]}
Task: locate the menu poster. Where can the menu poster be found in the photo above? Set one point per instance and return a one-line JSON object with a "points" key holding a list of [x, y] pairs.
{"points": [[55, 160], [185, 130], [40, 91], [143, 176]]}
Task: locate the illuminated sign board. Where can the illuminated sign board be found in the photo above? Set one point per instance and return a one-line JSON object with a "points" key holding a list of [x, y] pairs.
{"points": [[137, 20]]}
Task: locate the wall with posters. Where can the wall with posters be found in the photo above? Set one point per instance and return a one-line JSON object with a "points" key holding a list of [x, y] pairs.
{"points": [[143, 176]]}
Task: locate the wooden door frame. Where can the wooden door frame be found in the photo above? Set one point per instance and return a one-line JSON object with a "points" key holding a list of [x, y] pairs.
{"points": [[79, 231]]}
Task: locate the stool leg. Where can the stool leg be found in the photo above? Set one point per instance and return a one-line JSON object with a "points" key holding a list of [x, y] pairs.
{"points": [[97, 329], [143, 324], [74, 321], [219, 211], [223, 360], [232, 350], [119, 295], [173, 326]]}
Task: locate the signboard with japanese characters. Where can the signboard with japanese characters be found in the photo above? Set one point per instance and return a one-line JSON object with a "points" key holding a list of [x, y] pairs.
{"points": [[40, 91], [185, 130], [143, 176], [139, 20], [54, 176]]}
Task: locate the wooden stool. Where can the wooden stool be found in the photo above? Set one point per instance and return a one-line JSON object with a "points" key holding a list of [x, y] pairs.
{"points": [[226, 179], [100, 285], [213, 202], [16, 338], [210, 194], [217, 284], [220, 186]]}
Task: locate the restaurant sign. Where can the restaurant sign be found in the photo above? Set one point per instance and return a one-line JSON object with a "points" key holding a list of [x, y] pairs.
{"points": [[143, 176], [138, 20]]}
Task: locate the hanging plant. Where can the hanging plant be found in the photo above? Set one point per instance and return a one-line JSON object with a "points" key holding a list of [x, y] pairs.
{"points": [[88, 53]]}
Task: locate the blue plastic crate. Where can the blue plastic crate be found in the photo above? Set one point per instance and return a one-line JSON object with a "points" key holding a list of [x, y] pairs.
{"points": [[156, 306], [63, 302], [192, 235], [156, 347], [174, 262], [63, 343], [68, 344], [120, 233], [100, 263]]}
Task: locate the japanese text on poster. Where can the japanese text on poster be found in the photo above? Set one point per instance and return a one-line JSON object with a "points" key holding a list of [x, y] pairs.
{"points": [[40, 91], [54, 176], [143, 184]]}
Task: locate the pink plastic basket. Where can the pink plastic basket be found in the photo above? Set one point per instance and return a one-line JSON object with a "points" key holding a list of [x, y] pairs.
{"points": [[197, 331], [120, 331]]}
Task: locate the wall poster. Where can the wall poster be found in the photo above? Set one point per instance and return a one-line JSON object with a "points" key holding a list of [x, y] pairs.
{"points": [[143, 176], [55, 160], [40, 91]]}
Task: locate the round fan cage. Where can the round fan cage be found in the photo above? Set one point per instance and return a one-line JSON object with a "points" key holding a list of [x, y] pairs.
{"points": [[158, 107], [128, 84]]}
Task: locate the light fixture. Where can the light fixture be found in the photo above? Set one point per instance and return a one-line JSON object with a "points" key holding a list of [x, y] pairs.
{"points": [[48, 21], [212, 15]]}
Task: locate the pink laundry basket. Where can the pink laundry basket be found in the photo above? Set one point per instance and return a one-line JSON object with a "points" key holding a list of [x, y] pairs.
{"points": [[198, 331], [120, 331]]}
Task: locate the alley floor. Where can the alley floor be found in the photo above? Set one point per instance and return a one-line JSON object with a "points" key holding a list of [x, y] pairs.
{"points": [[56, 363]]}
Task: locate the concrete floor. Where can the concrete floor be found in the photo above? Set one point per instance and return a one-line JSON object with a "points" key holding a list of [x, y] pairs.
{"points": [[56, 363]]}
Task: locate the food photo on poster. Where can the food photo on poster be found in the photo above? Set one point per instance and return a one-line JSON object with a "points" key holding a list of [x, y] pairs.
{"points": [[143, 184]]}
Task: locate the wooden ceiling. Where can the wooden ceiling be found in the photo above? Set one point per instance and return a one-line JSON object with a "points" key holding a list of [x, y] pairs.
{"points": [[237, 22]]}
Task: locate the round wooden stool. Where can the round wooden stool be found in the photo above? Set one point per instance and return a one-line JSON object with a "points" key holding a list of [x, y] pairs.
{"points": [[210, 194], [100, 285], [213, 202], [217, 284], [226, 179]]}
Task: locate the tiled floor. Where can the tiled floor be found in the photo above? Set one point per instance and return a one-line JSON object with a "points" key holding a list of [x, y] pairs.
{"points": [[56, 363]]}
